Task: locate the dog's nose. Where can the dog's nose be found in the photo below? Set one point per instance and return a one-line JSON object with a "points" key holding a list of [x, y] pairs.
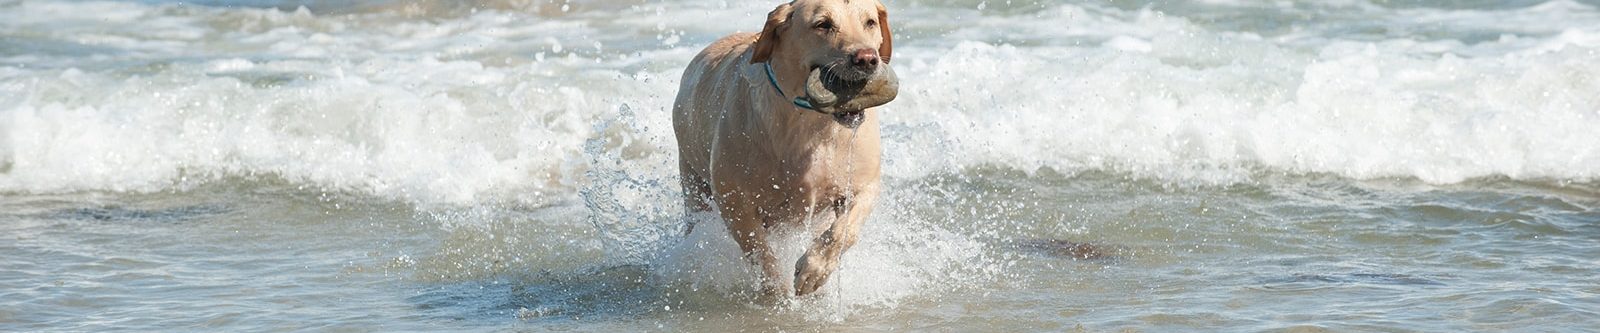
{"points": [[866, 59]]}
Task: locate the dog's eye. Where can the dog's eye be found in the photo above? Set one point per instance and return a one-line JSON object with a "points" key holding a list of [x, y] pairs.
{"points": [[871, 23], [825, 25]]}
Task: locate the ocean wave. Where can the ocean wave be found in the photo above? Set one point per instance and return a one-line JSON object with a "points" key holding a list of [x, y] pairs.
{"points": [[1358, 110]]}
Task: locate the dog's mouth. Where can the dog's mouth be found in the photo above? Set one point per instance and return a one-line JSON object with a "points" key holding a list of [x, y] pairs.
{"points": [[844, 82], [850, 119]]}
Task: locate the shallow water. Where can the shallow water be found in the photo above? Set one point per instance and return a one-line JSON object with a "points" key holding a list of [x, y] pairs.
{"points": [[508, 165]]}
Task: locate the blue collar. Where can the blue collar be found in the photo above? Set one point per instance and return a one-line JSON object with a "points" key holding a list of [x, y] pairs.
{"points": [[773, 79]]}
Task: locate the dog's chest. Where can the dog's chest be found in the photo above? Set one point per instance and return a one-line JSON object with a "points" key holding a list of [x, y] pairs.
{"points": [[825, 182], [790, 177]]}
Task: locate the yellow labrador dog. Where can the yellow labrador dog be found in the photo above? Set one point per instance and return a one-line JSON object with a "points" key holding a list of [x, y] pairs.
{"points": [[777, 128]]}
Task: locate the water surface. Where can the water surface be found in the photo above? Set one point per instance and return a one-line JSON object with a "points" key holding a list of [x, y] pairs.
{"points": [[1049, 166]]}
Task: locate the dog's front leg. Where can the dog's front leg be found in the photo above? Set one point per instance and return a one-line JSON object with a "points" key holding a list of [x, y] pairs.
{"points": [[748, 229], [822, 258]]}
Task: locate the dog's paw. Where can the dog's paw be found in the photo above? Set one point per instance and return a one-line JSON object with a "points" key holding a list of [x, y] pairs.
{"points": [[811, 273], [772, 289], [772, 294]]}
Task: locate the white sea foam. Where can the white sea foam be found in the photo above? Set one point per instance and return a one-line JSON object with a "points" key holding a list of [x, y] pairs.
{"points": [[497, 104]]}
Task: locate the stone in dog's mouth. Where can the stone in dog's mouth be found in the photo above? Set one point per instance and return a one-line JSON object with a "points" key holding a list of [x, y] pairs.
{"points": [[846, 99]]}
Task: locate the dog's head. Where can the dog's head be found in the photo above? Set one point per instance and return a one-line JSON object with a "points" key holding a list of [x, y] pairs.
{"points": [[847, 38]]}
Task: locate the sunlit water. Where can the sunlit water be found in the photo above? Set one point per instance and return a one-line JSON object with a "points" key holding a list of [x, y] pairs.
{"points": [[509, 165]]}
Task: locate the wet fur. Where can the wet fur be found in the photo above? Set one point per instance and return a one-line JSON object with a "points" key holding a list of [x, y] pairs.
{"points": [[748, 153]]}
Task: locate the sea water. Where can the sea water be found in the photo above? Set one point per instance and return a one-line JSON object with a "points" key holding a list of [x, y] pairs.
{"points": [[1232, 165]]}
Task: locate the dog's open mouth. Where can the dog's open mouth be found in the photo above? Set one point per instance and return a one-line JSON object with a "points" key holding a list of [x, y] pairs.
{"points": [[850, 119]]}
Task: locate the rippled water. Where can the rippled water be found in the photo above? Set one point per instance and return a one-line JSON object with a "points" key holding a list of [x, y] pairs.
{"points": [[1050, 166]]}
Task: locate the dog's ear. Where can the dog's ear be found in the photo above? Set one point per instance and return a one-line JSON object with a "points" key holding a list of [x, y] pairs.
{"points": [[887, 47], [776, 20]]}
